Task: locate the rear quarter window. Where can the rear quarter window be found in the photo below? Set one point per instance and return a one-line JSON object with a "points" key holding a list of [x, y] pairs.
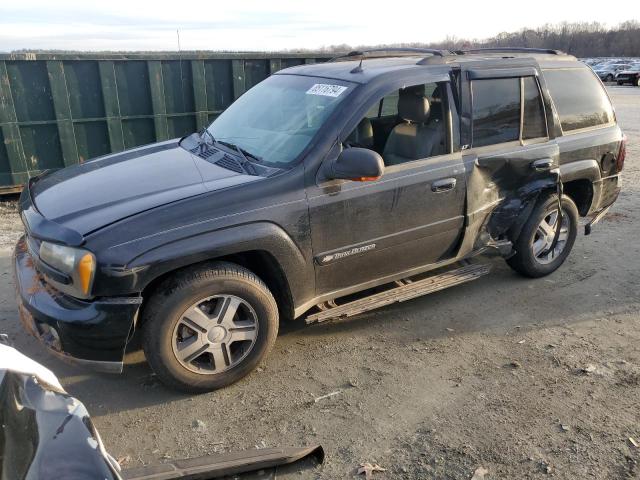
{"points": [[579, 98]]}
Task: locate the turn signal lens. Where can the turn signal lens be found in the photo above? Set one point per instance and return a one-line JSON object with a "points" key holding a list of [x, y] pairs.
{"points": [[86, 267]]}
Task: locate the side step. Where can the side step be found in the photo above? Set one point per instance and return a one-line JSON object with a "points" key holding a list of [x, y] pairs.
{"points": [[406, 290]]}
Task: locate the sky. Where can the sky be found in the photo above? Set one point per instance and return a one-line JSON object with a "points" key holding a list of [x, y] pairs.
{"points": [[271, 25]]}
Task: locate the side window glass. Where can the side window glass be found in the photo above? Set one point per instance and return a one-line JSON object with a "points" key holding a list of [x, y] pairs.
{"points": [[579, 98], [412, 124], [374, 111], [534, 124], [390, 104], [495, 111]]}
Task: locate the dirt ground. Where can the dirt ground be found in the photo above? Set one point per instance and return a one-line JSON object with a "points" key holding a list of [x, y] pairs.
{"points": [[525, 378]]}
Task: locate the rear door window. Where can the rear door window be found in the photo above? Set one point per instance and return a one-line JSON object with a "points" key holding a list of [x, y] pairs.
{"points": [[579, 98], [495, 110]]}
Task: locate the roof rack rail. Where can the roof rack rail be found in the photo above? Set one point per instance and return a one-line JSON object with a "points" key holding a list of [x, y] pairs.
{"points": [[510, 50], [363, 53]]}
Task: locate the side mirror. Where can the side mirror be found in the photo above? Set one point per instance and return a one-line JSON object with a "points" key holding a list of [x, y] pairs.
{"points": [[358, 164]]}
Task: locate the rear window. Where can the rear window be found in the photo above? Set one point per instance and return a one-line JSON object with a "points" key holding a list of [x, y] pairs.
{"points": [[579, 98]]}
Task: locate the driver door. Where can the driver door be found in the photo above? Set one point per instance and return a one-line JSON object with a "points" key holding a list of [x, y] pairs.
{"points": [[366, 233]]}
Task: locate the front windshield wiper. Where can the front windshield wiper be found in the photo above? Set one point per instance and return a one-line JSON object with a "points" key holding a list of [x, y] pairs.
{"points": [[245, 153], [205, 131], [246, 163]]}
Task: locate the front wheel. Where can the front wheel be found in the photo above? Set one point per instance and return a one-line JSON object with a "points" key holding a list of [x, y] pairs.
{"points": [[208, 327], [608, 78], [534, 256]]}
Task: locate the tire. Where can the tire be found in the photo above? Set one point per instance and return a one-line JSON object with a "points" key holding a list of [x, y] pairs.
{"points": [[620, 82], [637, 81], [530, 259], [608, 78], [208, 327]]}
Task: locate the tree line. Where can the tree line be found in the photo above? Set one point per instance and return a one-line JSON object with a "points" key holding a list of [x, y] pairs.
{"points": [[582, 39]]}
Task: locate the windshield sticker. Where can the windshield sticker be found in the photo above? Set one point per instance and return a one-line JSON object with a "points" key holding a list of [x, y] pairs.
{"points": [[326, 90]]}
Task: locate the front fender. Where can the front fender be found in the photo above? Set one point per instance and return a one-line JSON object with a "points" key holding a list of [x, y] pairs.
{"points": [[255, 236]]}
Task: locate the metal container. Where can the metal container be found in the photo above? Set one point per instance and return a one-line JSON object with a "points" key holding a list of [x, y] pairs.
{"points": [[60, 109]]}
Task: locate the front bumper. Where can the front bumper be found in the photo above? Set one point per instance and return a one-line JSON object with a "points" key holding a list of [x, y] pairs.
{"points": [[93, 333]]}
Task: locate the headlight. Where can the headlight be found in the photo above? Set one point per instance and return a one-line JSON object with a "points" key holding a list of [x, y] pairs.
{"points": [[79, 264]]}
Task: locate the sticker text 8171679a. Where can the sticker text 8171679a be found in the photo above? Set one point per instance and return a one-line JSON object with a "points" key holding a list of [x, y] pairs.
{"points": [[326, 90]]}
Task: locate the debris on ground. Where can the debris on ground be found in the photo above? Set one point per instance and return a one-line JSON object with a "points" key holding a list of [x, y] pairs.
{"points": [[633, 442], [546, 467], [122, 461], [479, 473], [199, 425], [520, 342], [565, 428], [328, 395], [514, 364], [368, 470]]}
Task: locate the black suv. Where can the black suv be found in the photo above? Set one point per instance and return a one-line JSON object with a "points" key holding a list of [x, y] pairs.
{"points": [[322, 192]]}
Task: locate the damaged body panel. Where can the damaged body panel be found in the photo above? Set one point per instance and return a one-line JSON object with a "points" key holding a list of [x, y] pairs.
{"points": [[46, 433], [92, 333], [316, 186]]}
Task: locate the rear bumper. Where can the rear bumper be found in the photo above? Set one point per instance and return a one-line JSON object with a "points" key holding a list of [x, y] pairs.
{"points": [[93, 333]]}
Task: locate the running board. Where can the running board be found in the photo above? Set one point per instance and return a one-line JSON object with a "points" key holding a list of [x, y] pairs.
{"points": [[406, 290]]}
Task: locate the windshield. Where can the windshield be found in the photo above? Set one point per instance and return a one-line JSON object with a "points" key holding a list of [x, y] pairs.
{"points": [[277, 118]]}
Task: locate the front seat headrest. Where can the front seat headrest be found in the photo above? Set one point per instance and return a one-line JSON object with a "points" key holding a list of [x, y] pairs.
{"points": [[362, 135], [413, 105]]}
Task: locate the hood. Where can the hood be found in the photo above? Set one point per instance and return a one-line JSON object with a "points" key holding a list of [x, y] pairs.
{"points": [[94, 194]]}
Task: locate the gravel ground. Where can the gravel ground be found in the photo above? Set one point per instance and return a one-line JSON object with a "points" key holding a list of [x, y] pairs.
{"points": [[525, 378]]}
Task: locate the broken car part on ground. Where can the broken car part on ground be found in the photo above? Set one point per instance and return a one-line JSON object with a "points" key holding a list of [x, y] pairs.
{"points": [[47, 433]]}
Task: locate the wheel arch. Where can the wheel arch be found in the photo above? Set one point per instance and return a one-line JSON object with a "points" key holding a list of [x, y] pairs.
{"points": [[581, 192], [263, 248], [579, 179], [262, 263]]}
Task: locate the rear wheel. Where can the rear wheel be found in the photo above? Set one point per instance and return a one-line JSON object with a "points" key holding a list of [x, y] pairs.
{"points": [[620, 82], [534, 256], [207, 328], [608, 78], [637, 81]]}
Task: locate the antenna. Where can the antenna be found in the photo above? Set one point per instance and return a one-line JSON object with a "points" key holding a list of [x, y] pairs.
{"points": [[358, 69]]}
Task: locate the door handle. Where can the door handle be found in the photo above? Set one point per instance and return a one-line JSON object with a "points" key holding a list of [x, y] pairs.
{"points": [[443, 185], [542, 165]]}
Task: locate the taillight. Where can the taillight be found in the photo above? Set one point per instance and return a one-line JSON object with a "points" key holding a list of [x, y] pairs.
{"points": [[621, 154]]}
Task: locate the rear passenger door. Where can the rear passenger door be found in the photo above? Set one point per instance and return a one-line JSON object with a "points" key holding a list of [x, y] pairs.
{"points": [[507, 147]]}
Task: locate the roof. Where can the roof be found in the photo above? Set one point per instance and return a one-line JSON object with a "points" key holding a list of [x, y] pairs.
{"points": [[346, 69]]}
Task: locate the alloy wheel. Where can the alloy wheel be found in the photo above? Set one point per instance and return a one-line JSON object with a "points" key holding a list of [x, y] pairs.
{"points": [[215, 334], [544, 235]]}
